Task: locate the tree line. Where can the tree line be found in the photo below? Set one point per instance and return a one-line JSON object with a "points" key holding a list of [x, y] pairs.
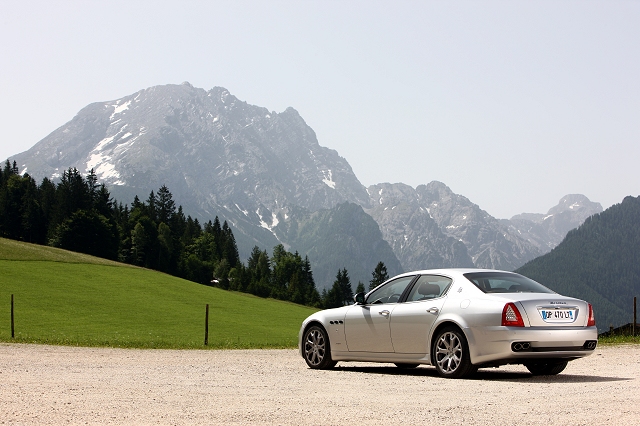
{"points": [[599, 261], [78, 214]]}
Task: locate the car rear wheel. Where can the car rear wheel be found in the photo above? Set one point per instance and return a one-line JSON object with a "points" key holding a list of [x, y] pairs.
{"points": [[548, 368], [450, 354], [316, 350]]}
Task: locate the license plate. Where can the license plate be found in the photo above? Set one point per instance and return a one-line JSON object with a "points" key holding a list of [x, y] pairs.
{"points": [[558, 315]]}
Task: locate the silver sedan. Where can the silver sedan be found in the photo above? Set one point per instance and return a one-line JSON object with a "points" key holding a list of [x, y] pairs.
{"points": [[457, 320]]}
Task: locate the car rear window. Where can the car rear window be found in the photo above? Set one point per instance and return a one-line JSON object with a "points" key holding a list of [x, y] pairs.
{"points": [[504, 282]]}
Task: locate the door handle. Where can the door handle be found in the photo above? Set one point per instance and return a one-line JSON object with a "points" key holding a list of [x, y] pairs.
{"points": [[433, 310], [384, 313]]}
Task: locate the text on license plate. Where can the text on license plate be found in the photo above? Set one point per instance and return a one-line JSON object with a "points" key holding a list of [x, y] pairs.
{"points": [[558, 315]]}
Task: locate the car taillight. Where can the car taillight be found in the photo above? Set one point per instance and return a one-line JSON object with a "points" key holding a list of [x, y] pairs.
{"points": [[511, 316], [592, 319]]}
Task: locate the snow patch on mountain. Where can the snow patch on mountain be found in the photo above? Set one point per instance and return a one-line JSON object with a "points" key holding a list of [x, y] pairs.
{"points": [[104, 142], [117, 109], [269, 227], [328, 179], [264, 224], [245, 212]]}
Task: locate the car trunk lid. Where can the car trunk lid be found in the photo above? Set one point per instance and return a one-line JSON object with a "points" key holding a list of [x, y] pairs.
{"points": [[556, 312], [552, 310]]}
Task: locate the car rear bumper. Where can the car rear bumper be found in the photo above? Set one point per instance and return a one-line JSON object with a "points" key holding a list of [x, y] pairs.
{"points": [[517, 344]]}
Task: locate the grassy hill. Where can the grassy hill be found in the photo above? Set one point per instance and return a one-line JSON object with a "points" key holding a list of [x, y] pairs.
{"points": [[62, 297]]}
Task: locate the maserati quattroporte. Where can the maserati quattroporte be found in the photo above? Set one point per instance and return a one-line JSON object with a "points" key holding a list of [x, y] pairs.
{"points": [[457, 320]]}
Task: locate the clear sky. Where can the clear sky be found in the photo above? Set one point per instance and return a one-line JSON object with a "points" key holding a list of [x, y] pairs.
{"points": [[512, 104]]}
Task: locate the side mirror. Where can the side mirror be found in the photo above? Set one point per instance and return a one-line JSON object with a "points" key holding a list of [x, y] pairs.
{"points": [[359, 299]]}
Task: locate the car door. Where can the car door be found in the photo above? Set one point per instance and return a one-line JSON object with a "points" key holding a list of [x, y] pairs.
{"points": [[411, 321], [367, 326]]}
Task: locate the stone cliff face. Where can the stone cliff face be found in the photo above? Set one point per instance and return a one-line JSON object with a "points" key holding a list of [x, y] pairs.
{"points": [[210, 148], [415, 236], [546, 231], [430, 226]]}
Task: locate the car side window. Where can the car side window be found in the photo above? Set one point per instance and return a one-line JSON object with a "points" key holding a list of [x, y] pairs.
{"points": [[429, 287], [390, 292]]}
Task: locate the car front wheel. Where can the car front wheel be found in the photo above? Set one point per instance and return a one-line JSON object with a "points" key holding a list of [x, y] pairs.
{"points": [[450, 354], [316, 350], [549, 368]]}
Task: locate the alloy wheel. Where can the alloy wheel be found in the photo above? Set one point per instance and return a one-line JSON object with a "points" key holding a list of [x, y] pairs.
{"points": [[314, 347], [448, 352]]}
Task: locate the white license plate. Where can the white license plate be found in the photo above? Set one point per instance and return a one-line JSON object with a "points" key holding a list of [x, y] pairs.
{"points": [[558, 315]]}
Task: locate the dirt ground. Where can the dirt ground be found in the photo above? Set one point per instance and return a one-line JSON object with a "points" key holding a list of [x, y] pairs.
{"points": [[65, 385]]}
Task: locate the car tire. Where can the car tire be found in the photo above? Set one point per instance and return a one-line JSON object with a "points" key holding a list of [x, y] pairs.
{"points": [[405, 365], [450, 354], [547, 368], [316, 349]]}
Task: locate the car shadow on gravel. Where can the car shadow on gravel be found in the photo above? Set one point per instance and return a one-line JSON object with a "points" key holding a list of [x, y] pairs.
{"points": [[510, 376], [495, 375]]}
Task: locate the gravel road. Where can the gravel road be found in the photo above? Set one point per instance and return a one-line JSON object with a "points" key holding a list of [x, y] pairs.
{"points": [[64, 385]]}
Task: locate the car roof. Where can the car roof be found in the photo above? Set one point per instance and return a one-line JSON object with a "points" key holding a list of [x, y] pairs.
{"points": [[450, 271]]}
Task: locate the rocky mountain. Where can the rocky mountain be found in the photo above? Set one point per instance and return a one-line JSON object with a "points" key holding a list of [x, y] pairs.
{"points": [[407, 225], [206, 145], [266, 174], [430, 226], [545, 231]]}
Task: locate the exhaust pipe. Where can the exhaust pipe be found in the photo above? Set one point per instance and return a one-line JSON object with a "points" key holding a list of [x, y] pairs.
{"points": [[520, 346], [590, 344]]}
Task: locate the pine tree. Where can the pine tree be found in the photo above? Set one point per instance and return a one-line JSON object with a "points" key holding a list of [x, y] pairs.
{"points": [[341, 293], [92, 185], [151, 210], [229, 246], [165, 248], [313, 297], [8, 170], [87, 232], [165, 206], [345, 285], [379, 275]]}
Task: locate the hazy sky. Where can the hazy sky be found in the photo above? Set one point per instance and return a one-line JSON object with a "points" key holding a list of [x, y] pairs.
{"points": [[512, 104]]}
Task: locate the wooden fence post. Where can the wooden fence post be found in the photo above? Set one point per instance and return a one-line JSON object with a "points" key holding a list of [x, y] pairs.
{"points": [[13, 332], [206, 326], [635, 318]]}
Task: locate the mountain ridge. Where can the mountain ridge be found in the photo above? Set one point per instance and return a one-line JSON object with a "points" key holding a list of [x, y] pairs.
{"points": [[258, 169]]}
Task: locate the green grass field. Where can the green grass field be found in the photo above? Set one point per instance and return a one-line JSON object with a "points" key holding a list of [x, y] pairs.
{"points": [[619, 340], [68, 298]]}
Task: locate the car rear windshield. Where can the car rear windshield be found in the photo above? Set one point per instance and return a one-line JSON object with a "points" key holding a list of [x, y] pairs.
{"points": [[504, 282]]}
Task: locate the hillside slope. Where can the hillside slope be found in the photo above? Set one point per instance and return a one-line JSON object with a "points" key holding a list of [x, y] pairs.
{"points": [[66, 298], [342, 237], [599, 262]]}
